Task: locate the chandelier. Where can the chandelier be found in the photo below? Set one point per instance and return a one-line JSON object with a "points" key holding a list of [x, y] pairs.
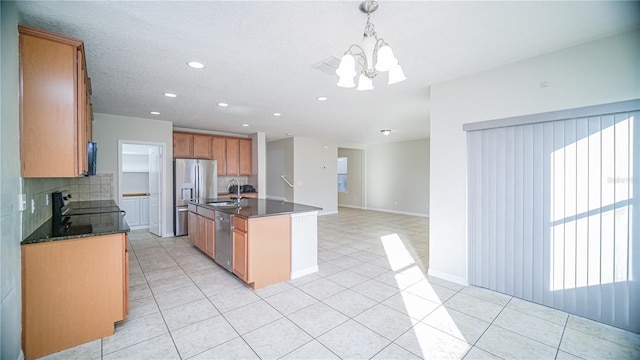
{"points": [[374, 56]]}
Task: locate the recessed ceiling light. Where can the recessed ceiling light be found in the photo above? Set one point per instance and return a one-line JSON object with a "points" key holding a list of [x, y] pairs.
{"points": [[245, 125], [223, 104], [154, 113], [195, 64], [170, 95], [322, 98], [385, 132], [276, 114]]}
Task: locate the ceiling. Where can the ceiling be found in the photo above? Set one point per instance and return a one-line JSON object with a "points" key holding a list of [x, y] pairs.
{"points": [[259, 57]]}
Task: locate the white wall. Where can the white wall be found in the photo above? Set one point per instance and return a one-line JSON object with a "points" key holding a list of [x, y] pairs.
{"points": [[279, 162], [10, 217], [354, 197], [598, 72], [108, 129], [259, 163], [315, 174], [397, 177]]}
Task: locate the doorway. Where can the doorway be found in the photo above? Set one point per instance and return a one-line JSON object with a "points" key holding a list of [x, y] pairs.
{"points": [[140, 174]]}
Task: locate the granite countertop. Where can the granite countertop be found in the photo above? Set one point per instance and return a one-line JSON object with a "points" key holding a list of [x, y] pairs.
{"points": [[251, 208], [82, 219]]}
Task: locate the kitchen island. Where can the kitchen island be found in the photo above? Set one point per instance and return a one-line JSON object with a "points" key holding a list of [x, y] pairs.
{"points": [[261, 241]]}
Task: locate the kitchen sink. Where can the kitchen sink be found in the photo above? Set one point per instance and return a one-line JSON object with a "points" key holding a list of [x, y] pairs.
{"points": [[224, 204]]}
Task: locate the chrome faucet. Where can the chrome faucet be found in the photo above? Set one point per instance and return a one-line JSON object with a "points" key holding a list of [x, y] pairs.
{"points": [[237, 201]]}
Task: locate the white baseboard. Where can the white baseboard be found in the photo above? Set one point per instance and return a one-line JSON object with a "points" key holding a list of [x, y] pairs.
{"points": [[303, 272], [448, 277], [139, 227], [351, 206], [398, 212], [328, 212]]}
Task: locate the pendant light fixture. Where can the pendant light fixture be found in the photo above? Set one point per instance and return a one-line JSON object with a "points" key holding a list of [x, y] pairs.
{"points": [[374, 56]]}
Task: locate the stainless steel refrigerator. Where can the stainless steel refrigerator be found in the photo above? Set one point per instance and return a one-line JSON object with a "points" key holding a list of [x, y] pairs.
{"points": [[192, 179]]}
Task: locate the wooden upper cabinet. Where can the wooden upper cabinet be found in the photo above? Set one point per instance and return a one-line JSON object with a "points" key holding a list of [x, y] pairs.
{"points": [[233, 156], [182, 145], [245, 157], [202, 146], [54, 118], [219, 152]]}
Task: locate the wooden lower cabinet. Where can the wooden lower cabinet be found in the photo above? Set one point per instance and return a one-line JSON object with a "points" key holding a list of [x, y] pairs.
{"points": [[73, 291], [202, 230], [262, 249]]}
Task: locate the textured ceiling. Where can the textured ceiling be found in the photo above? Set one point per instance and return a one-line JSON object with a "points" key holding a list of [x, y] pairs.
{"points": [[259, 57]]}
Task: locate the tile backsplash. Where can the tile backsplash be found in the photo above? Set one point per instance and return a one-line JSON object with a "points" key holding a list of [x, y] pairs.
{"points": [[37, 190], [223, 182]]}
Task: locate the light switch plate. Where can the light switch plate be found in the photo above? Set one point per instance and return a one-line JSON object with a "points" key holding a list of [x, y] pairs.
{"points": [[22, 202]]}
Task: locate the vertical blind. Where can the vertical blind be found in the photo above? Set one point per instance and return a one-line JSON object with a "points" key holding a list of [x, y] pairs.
{"points": [[553, 214]]}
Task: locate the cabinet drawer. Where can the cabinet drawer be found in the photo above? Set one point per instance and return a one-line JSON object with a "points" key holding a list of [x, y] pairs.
{"points": [[208, 213], [240, 224], [193, 208]]}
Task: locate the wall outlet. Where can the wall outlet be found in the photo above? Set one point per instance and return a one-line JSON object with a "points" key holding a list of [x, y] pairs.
{"points": [[46, 199], [33, 206]]}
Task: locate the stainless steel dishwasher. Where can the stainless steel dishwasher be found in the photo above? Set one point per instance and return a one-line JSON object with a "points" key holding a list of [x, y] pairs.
{"points": [[224, 246]]}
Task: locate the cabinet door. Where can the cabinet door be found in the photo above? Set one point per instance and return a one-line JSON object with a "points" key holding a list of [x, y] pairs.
{"points": [[202, 147], [209, 239], [219, 150], [49, 144], [182, 145], [83, 163], [202, 233], [132, 208], [240, 254], [233, 153], [193, 228], [144, 210], [245, 157]]}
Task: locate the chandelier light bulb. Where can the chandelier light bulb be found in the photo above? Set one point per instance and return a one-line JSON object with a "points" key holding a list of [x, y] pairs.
{"points": [[374, 55], [396, 75], [364, 83]]}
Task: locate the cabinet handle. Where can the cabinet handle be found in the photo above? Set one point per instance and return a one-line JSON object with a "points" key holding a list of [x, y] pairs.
{"points": [[183, 210]]}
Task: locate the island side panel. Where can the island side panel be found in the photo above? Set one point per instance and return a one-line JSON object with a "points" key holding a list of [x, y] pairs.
{"points": [[304, 244], [269, 258]]}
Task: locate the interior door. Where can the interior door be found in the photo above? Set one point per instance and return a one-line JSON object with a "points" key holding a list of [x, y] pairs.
{"points": [[155, 170]]}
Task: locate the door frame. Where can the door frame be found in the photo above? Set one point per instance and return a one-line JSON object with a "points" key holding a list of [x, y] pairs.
{"points": [[162, 202]]}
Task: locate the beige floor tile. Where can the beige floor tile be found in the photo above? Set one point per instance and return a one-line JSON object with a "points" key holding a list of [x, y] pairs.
{"points": [[160, 348], [481, 309], [188, 314], [252, 316], [539, 311], [134, 331], [429, 343], [566, 356], [444, 283], [317, 319], [432, 292], [412, 305], [90, 350], [312, 350], [375, 290], [479, 354], [365, 256], [592, 347], [170, 284], [385, 321], [346, 261], [322, 288], [220, 284], [290, 301], [347, 278], [457, 324], [604, 331], [179, 296], [142, 307], [165, 273], [352, 340], [349, 302], [276, 339], [509, 345], [368, 270], [487, 295], [304, 279], [137, 279], [543, 331], [274, 289], [395, 352], [139, 291], [233, 349], [233, 299], [199, 337]]}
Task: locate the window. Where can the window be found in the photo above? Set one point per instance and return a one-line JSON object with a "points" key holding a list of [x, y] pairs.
{"points": [[342, 174]]}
